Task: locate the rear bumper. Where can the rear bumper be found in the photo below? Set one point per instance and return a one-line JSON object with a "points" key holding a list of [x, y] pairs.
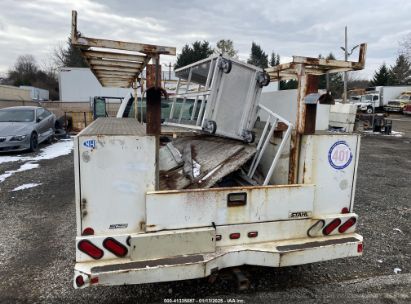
{"points": [[270, 254]]}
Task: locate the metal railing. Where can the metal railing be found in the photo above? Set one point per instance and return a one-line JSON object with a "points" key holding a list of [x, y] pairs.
{"points": [[266, 135]]}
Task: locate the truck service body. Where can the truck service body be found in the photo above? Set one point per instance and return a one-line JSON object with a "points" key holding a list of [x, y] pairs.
{"points": [[157, 202], [128, 233]]}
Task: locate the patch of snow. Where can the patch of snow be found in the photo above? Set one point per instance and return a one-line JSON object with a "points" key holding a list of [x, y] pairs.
{"points": [[58, 149], [398, 230], [49, 152], [397, 270], [379, 261], [24, 167], [25, 186], [393, 133]]}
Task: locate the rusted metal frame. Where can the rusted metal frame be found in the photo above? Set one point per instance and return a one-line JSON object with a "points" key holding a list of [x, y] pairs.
{"points": [[114, 74], [117, 77], [115, 69], [299, 124], [113, 63], [113, 80], [94, 54], [77, 39]]}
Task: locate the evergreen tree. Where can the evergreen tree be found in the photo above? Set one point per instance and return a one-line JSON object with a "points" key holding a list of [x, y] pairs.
{"points": [[381, 76], [274, 59], [197, 51], [258, 57], [336, 83], [400, 73], [226, 47], [69, 56]]}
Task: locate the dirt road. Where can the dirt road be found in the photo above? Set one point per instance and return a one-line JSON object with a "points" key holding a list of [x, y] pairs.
{"points": [[38, 230]]}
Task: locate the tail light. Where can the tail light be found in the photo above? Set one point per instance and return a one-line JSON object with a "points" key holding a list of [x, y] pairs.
{"points": [[314, 229], [348, 224], [79, 281], [252, 234], [331, 226], [235, 236], [88, 231], [90, 249], [345, 210], [94, 280], [115, 247], [359, 247], [218, 237]]}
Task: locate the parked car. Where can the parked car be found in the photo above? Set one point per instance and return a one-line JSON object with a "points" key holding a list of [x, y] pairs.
{"points": [[24, 128]]}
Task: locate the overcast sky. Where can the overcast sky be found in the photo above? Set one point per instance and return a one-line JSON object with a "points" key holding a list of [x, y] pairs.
{"points": [[291, 27]]}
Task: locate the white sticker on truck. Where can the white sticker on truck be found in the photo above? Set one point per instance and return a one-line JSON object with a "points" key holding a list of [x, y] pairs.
{"points": [[340, 155]]}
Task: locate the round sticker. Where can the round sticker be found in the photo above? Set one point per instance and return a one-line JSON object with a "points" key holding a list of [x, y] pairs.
{"points": [[339, 155]]}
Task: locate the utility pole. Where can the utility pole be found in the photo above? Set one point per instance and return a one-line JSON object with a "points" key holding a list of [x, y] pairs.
{"points": [[346, 55], [345, 73]]}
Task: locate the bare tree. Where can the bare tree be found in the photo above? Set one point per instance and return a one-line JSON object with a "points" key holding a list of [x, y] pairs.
{"points": [[405, 47]]}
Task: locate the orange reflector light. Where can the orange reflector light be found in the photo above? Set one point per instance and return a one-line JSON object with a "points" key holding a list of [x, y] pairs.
{"points": [[79, 281], [235, 236], [348, 224], [331, 226], [218, 237], [252, 234], [90, 249], [88, 231], [94, 280], [115, 247], [359, 247]]}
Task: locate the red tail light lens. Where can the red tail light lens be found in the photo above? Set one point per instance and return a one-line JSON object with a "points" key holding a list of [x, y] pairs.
{"points": [[345, 210], [348, 224], [359, 247], [331, 226], [88, 231], [90, 249], [235, 236], [79, 281], [252, 234], [94, 280], [218, 237], [115, 247]]}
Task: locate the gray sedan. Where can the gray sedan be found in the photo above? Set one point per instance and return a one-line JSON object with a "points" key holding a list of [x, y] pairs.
{"points": [[24, 128]]}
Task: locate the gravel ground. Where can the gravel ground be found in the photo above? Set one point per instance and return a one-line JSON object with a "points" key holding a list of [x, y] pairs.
{"points": [[38, 228]]}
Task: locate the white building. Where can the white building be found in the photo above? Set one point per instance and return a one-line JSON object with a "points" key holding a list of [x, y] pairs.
{"points": [[80, 85]]}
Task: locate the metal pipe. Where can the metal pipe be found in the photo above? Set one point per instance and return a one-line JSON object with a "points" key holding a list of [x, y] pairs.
{"points": [[277, 156], [267, 140], [345, 73], [260, 142]]}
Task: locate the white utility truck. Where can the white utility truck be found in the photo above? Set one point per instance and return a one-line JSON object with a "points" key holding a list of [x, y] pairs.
{"points": [[183, 203], [378, 97]]}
